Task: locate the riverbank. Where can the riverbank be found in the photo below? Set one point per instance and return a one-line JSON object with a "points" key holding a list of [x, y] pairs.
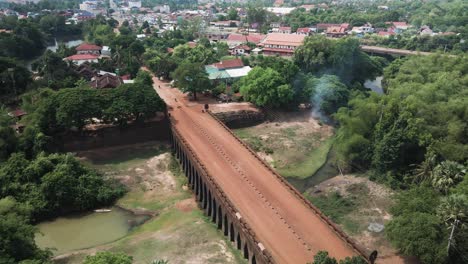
{"points": [[179, 232], [295, 144]]}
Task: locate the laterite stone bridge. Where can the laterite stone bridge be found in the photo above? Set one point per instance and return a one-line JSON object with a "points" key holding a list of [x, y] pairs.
{"points": [[258, 211]]}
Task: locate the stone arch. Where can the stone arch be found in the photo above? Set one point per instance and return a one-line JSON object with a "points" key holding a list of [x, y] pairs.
{"points": [[231, 233], [225, 225], [239, 242], [213, 215], [197, 184], [210, 202], [220, 217], [246, 251], [205, 196]]}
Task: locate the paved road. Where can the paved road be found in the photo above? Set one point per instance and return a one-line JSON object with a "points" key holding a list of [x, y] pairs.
{"points": [[287, 228]]}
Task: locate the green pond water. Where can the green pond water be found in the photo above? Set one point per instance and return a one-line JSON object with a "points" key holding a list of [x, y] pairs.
{"points": [[65, 234]]}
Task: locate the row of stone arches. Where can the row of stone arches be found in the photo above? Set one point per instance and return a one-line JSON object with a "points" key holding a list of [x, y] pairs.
{"points": [[209, 202]]}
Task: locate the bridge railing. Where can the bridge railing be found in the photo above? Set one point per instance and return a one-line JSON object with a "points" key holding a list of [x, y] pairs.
{"points": [[228, 206], [296, 193]]}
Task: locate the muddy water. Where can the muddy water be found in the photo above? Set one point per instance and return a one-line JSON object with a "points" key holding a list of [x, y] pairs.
{"points": [[66, 234], [327, 171]]}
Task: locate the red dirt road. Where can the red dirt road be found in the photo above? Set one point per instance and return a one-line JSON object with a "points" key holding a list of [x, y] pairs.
{"points": [[288, 229]]}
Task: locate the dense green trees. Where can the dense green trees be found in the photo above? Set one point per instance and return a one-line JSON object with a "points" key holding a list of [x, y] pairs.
{"points": [[192, 78], [415, 133], [55, 184], [342, 57], [423, 114], [14, 78], [55, 72], [265, 88], [17, 239], [25, 42], [73, 108]]}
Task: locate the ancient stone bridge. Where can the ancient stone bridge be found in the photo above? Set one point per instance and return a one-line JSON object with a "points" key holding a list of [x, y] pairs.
{"points": [[254, 207], [390, 51]]}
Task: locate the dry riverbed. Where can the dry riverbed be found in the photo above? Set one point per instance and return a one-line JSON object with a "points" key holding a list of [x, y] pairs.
{"points": [[178, 232]]}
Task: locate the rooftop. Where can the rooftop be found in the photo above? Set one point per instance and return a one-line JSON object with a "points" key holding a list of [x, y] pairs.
{"points": [[82, 57], [87, 46], [284, 39]]}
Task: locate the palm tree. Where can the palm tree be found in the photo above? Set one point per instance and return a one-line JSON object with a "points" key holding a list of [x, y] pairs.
{"points": [[447, 174], [454, 208], [424, 171]]}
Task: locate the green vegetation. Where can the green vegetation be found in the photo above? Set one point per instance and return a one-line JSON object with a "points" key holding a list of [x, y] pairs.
{"points": [[55, 184], [414, 135], [344, 208], [312, 162], [191, 77], [17, 241], [342, 57], [265, 88], [297, 150], [108, 258], [322, 258]]}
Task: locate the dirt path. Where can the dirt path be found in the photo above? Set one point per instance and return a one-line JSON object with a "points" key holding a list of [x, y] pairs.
{"points": [[289, 230]]}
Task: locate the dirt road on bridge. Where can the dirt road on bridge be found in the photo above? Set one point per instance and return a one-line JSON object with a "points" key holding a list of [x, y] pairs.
{"points": [[289, 230]]}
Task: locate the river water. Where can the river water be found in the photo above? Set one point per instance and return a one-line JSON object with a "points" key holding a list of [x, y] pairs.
{"points": [[69, 43], [66, 234], [375, 85]]}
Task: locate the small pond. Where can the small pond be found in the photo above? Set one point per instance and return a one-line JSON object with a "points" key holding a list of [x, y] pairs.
{"points": [[91, 229]]}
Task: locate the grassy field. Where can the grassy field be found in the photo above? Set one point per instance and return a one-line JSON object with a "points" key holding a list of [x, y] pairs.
{"points": [[180, 232], [295, 149]]}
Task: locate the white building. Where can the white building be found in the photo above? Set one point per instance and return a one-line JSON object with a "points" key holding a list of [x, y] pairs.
{"points": [[134, 4]]}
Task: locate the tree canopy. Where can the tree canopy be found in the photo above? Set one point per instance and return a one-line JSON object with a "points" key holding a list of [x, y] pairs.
{"points": [[265, 88]]}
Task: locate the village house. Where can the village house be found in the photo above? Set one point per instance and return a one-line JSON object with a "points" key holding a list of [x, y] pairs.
{"points": [[240, 50], [321, 27], [107, 80], [281, 44], [336, 32], [304, 31], [235, 39], [227, 23], [284, 30], [227, 70], [79, 59], [85, 48]]}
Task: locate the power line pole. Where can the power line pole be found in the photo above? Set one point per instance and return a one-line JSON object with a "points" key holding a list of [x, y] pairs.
{"points": [[451, 234]]}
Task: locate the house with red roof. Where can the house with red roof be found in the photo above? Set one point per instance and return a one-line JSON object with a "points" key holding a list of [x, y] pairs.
{"points": [[86, 48], [284, 30], [304, 31], [241, 50], [79, 59], [235, 39], [281, 44], [398, 25], [336, 32]]}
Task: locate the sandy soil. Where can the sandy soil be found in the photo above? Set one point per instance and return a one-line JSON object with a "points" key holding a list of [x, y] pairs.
{"points": [[379, 200], [261, 198]]}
